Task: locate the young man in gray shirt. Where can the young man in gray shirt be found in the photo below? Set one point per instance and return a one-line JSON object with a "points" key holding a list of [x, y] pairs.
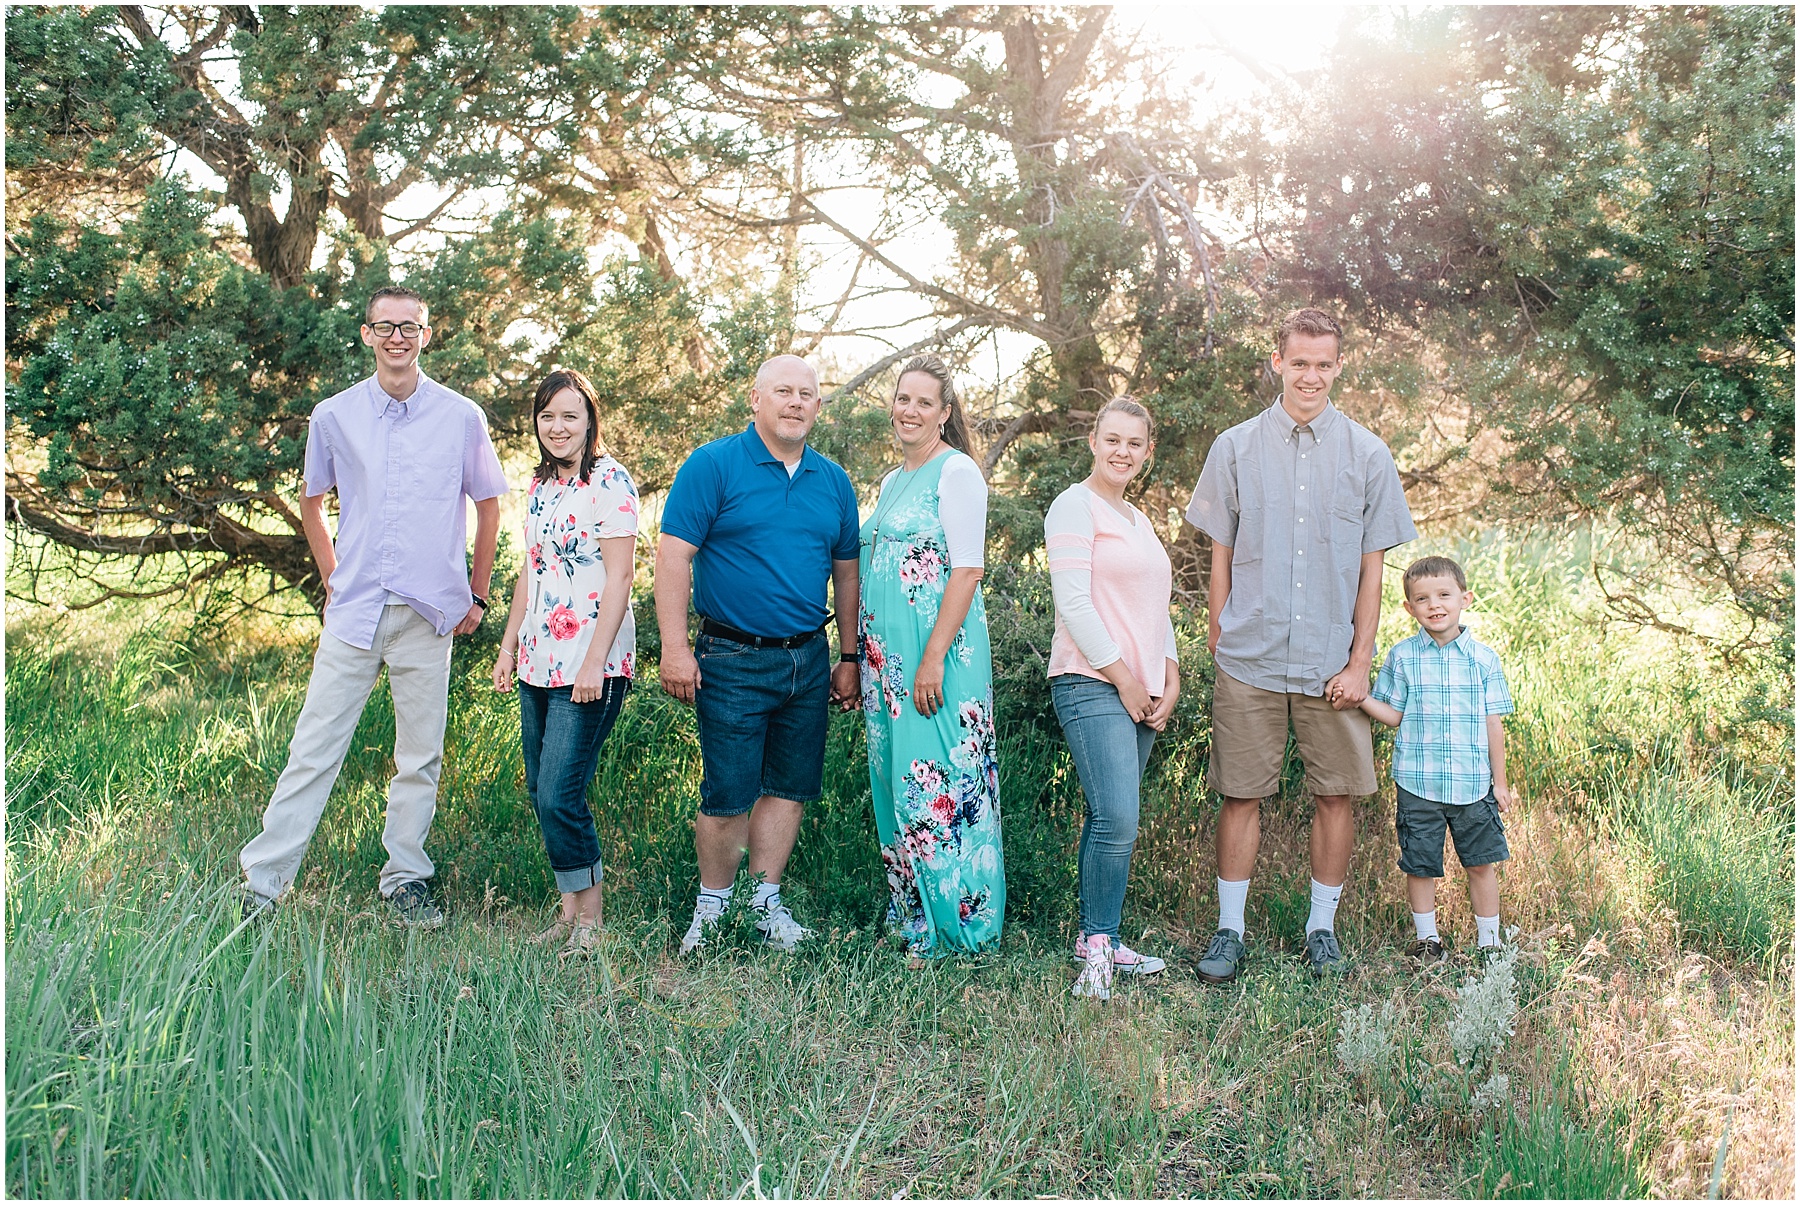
{"points": [[1301, 504]]}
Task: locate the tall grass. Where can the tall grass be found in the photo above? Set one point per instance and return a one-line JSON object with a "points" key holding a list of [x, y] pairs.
{"points": [[156, 1047]]}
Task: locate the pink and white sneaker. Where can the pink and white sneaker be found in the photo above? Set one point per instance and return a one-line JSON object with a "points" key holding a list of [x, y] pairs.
{"points": [[1125, 960], [1096, 978]]}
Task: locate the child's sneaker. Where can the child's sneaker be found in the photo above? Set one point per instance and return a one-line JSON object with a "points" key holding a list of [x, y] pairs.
{"points": [[1126, 961], [1428, 950], [1095, 982]]}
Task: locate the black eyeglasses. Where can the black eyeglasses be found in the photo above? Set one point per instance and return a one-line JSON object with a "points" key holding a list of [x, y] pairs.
{"points": [[408, 330]]}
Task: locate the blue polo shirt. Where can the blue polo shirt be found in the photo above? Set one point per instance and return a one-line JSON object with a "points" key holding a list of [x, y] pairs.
{"points": [[766, 540]]}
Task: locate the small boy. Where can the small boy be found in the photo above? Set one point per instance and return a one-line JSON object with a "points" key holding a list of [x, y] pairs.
{"points": [[1446, 692]]}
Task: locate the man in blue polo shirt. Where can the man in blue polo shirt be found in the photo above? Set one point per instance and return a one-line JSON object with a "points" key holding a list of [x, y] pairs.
{"points": [[754, 524]]}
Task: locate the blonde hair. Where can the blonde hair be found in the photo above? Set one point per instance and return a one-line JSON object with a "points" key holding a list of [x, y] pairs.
{"points": [[1126, 404]]}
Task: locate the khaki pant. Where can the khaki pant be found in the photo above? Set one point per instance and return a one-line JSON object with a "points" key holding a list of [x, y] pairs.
{"points": [[1249, 739], [418, 665]]}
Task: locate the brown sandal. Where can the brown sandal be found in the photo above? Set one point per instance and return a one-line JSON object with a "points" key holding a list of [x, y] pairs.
{"points": [[584, 939], [559, 929]]}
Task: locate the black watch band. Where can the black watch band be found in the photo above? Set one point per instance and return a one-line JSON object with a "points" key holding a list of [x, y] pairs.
{"points": [[479, 601], [849, 657]]}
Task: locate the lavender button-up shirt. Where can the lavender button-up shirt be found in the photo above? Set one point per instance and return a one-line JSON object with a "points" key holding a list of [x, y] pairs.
{"points": [[401, 470], [1298, 507]]}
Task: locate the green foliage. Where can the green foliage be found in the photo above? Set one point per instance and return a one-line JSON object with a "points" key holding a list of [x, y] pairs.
{"points": [[1547, 1153], [1591, 217], [152, 1051], [1721, 858]]}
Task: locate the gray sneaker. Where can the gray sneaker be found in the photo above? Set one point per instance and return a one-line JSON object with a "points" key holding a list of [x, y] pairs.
{"points": [[1220, 962], [1324, 955], [412, 907], [252, 906]]}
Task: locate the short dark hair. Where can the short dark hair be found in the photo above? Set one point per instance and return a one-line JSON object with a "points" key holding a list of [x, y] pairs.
{"points": [[1434, 566], [396, 291], [549, 387], [1307, 321]]}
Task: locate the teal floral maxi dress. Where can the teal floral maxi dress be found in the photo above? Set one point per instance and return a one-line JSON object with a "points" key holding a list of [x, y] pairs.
{"points": [[935, 779]]}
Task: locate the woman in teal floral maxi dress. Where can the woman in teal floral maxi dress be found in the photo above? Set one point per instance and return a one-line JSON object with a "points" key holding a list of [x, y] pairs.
{"points": [[927, 679]]}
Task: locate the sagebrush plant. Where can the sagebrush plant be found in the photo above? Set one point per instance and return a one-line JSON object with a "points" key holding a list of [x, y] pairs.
{"points": [[1486, 1005], [1366, 1038]]}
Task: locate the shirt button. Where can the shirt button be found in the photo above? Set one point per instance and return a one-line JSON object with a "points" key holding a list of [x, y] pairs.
{"points": [[1303, 456], [1303, 489], [1302, 520], [1300, 583], [1299, 552]]}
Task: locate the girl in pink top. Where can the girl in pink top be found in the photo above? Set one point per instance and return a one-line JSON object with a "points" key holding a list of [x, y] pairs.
{"points": [[1113, 673]]}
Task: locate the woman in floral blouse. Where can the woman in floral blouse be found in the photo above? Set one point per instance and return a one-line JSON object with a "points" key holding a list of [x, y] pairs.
{"points": [[928, 681], [571, 635]]}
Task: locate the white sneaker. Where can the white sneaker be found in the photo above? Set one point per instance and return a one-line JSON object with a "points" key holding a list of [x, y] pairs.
{"points": [[704, 919], [779, 928], [1095, 982]]}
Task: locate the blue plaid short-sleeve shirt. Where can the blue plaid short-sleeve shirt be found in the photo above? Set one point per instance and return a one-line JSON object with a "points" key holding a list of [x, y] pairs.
{"points": [[1444, 694]]}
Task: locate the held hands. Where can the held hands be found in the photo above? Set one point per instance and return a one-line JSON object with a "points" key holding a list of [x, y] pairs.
{"points": [[503, 670], [846, 685], [680, 672], [1348, 689]]}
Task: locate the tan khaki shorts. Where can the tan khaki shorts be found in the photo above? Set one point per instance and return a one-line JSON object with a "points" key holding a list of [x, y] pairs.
{"points": [[1249, 739]]}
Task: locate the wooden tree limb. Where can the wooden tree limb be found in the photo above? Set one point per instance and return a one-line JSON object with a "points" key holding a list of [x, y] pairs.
{"points": [[935, 339]]}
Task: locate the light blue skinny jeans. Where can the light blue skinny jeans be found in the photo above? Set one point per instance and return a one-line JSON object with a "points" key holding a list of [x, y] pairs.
{"points": [[1110, 750]]}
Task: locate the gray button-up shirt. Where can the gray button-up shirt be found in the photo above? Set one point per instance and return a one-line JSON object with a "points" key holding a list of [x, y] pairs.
{"points": [[1298, 507]]}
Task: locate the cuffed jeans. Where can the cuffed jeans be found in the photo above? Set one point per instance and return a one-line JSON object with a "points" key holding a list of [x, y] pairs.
{"points": [[1110, 751], [561, 741], [418, 665]]}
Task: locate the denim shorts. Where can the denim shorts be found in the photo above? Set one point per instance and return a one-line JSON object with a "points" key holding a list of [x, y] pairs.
{"points": [[1475, 829], [762, 715]]}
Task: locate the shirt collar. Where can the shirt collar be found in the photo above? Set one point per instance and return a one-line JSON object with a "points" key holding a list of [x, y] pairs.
{"points": [[1284, 424], [379, 398], [759, 451], [1459, 642]]}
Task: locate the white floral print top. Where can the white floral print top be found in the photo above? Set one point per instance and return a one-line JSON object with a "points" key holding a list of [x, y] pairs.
{"points": [[564, 575]]}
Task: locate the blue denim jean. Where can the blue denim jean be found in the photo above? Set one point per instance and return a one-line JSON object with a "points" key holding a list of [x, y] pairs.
{"points": [[562, 740], [762, 715], [1110, 750]]}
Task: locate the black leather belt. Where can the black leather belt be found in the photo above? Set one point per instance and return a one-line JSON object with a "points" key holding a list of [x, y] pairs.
{"points": [[713, 627]]}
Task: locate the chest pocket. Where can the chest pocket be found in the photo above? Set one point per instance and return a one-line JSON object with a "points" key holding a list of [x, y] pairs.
{"points": [[437, 473], [1347, 514]]}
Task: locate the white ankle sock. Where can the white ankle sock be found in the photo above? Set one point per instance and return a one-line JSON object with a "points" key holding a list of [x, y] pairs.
{"points": [[1231, 905], [1487, 930], [711, 902], [767, 896], [1324, 906], [1425, 925]]}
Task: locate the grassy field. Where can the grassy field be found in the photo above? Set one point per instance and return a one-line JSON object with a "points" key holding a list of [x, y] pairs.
{"points": [[157, 1047]]}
